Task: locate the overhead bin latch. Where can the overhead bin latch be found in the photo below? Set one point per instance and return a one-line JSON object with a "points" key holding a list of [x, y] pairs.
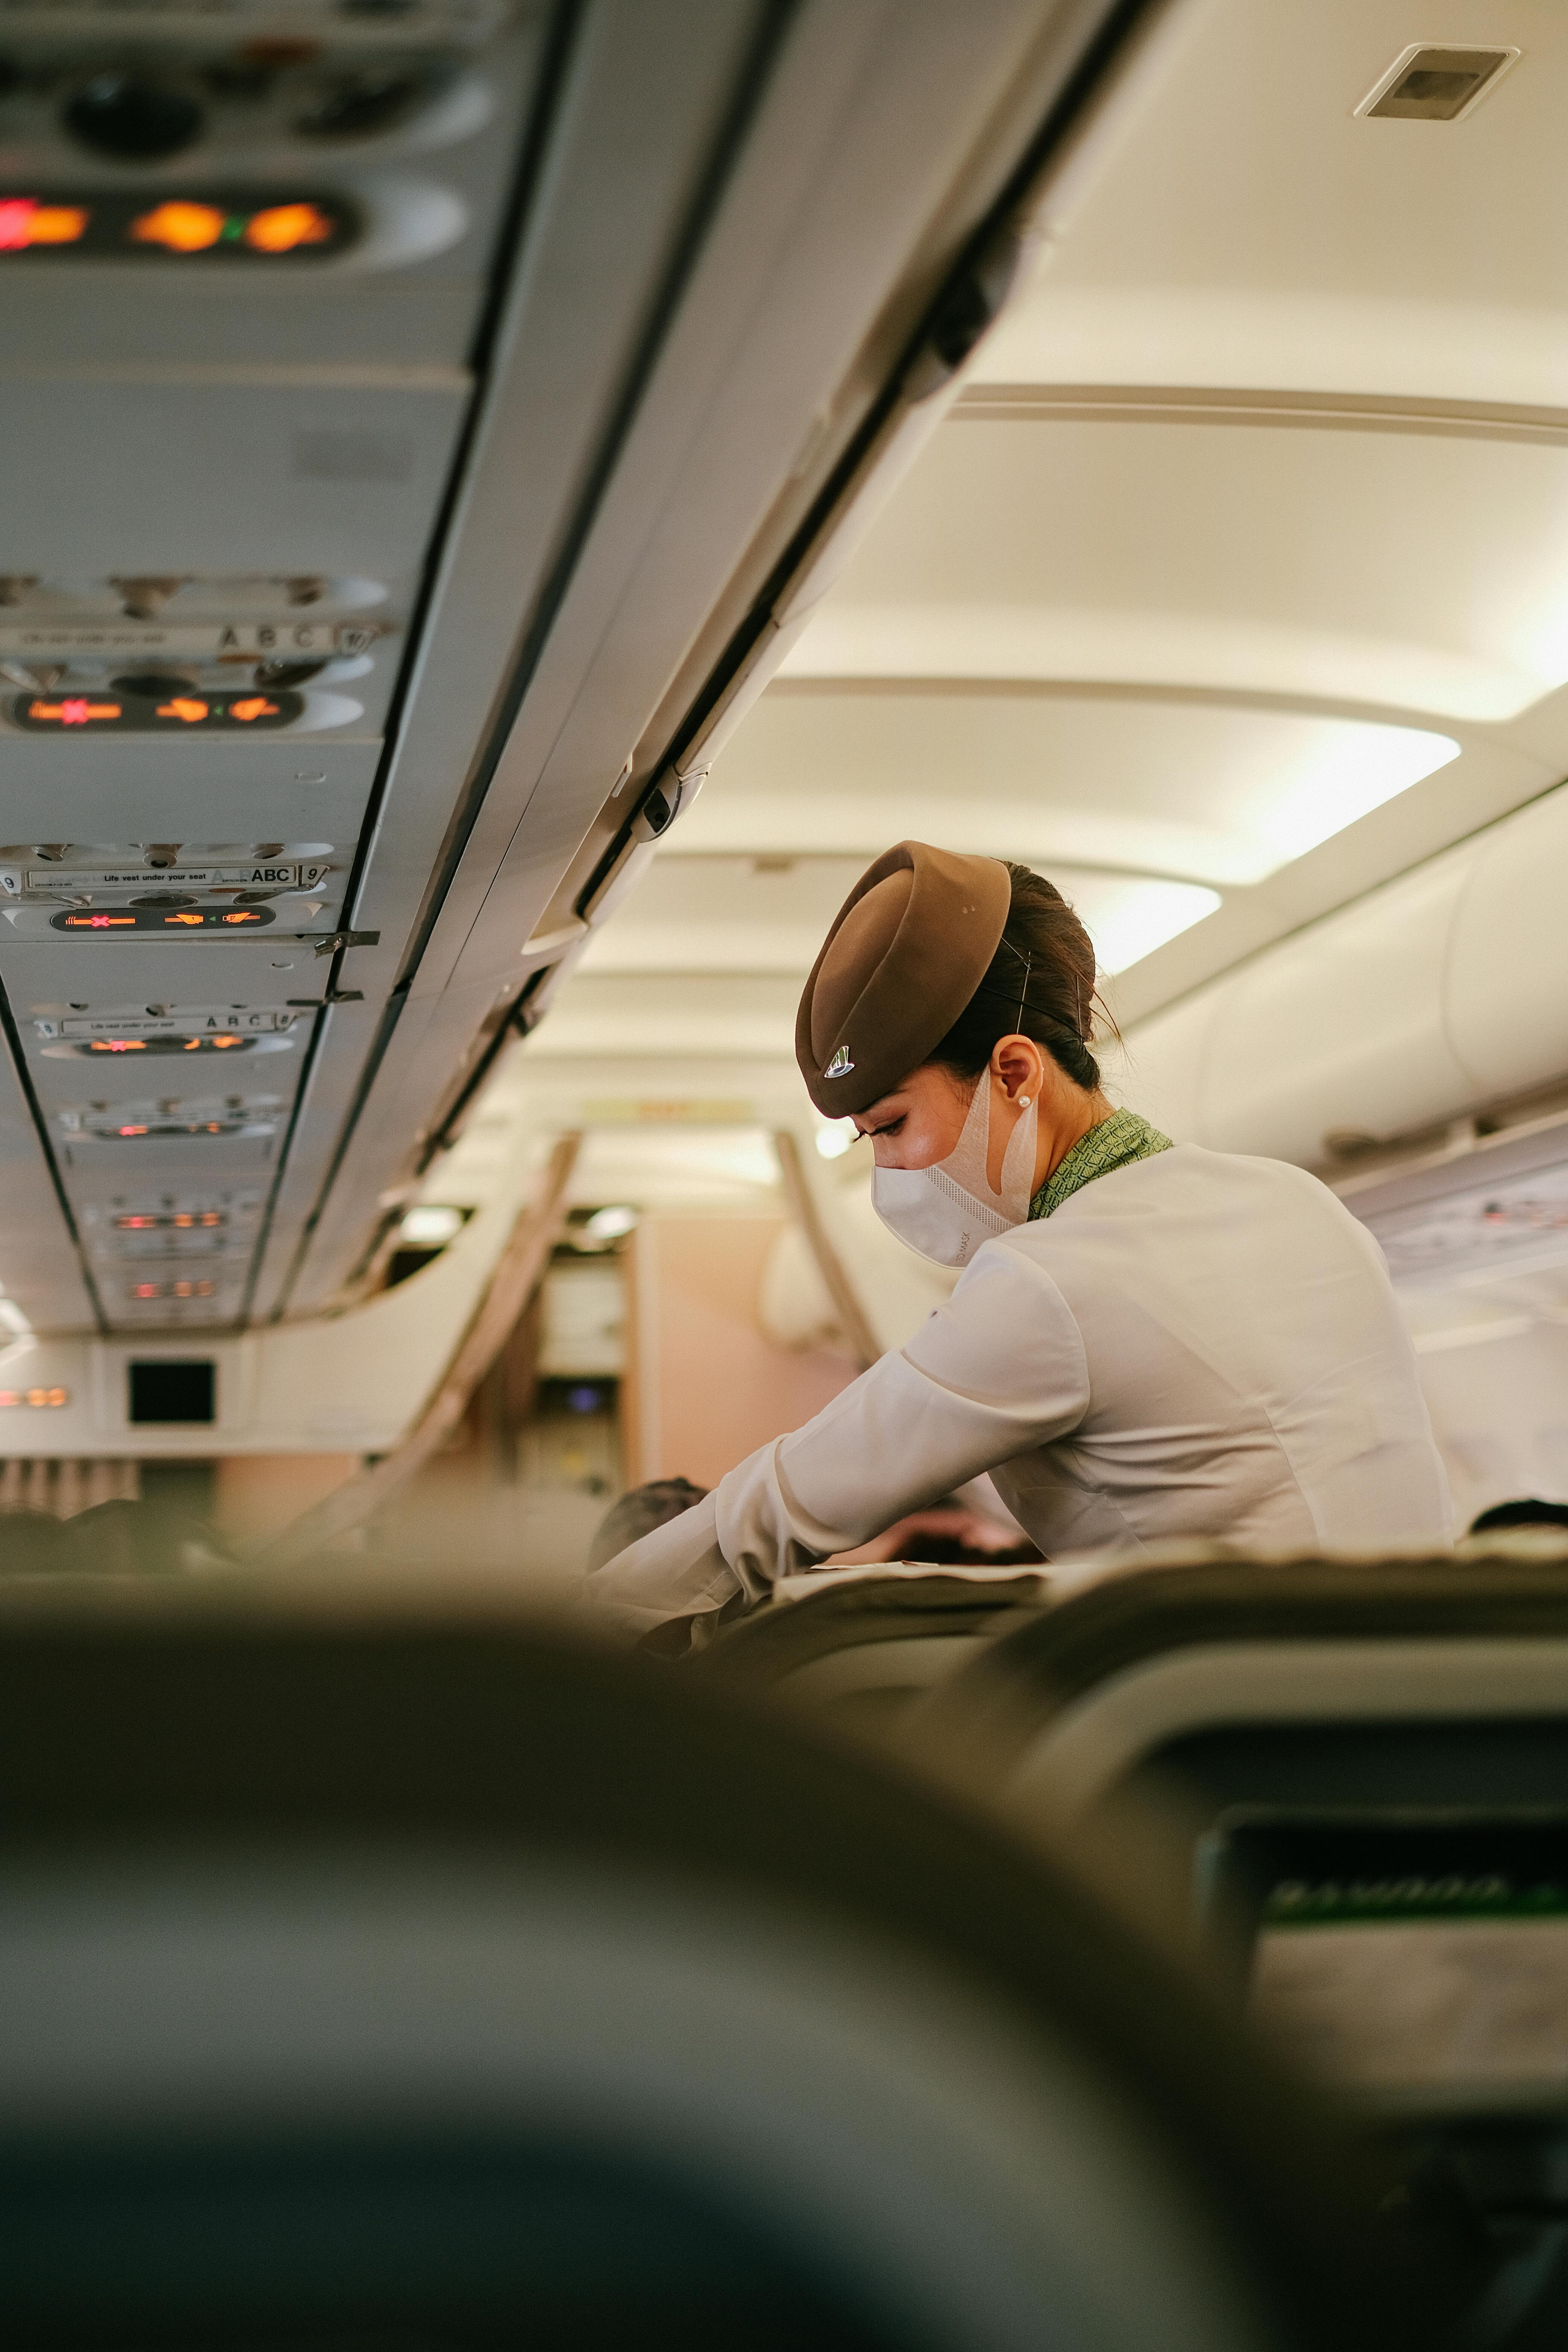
{"points": [[967, 306], [665, 799], [347, 939]]}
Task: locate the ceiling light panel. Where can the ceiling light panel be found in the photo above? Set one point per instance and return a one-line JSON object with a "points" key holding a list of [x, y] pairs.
{"points": [[1414, 572], [747, 914], [714, 915], [704, 1017], [1194, 790]]}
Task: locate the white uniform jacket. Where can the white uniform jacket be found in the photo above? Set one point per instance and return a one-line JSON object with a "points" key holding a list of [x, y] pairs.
{"points": [[1196, 1344]]}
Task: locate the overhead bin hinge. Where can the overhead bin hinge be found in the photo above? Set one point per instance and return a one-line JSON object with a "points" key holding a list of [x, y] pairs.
{"points": [[347, 939], [333, 996]]}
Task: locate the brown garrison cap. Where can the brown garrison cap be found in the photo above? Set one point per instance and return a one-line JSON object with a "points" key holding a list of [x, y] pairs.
{"points": [[908, 949]]}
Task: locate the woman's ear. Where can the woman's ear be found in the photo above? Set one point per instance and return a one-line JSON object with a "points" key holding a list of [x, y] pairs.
{"points": [[1019, 1065]]}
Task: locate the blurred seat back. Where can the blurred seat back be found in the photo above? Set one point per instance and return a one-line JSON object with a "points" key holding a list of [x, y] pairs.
{"points": [[451, 1982], [1359, 1773]]}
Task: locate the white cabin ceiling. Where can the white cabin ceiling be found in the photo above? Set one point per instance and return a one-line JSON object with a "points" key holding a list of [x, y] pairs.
{"points": [[1234, 583]]}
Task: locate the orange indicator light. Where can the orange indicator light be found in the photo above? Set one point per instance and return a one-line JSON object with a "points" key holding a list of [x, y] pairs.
{"points": [[59, 223], [117, 1045], [186, 706], [217, 1044], [282, 228], [253, 705], [186, 918], [179, 226], [244, 916]]}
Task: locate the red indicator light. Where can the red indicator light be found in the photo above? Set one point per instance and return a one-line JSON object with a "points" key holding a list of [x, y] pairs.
{"points": [[130, 1130], [179, 226], [134, 1225], [252, 706], [75, 711], [186, 706], [147, 1290], [283, 228], [117, 1045], [100, 922], [25, 222]]}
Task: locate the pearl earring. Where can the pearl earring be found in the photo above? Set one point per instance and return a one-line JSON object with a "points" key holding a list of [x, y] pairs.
{"points": [[1023, 1102]]}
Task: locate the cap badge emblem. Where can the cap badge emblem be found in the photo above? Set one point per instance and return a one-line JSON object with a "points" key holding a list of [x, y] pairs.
{"points": [[840, 1065]]}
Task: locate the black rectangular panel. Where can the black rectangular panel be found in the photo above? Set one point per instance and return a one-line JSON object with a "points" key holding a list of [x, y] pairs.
{"points": [[169, 1388]]}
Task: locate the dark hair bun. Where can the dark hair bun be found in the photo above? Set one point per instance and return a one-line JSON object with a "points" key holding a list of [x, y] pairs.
{"points": [[1039, 984]]}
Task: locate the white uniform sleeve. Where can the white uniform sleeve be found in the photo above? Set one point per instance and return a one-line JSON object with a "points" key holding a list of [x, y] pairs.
{"points": [[998, 1369]]}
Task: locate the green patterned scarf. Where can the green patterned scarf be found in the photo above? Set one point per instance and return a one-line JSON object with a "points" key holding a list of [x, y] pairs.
{"points": [[1122, 1138]]}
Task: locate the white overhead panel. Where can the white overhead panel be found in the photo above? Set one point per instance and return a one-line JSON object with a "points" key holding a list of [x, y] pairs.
{"points": [[307, 169], [244, 258]]}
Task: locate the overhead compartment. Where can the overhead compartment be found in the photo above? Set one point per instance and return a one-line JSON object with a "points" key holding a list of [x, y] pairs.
{"points": [[1506, 994], [1339, 1029], [1440, 994]]}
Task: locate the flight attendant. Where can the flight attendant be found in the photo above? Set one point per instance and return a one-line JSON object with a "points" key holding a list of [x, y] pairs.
{"points": [[1147, 1340]]}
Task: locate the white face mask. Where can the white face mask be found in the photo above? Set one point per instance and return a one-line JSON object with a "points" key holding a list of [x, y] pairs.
{"points": [[946, 1210]]}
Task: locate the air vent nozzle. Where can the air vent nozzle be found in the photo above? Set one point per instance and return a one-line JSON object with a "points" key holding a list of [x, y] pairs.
{"points": [[1426, 84]]}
